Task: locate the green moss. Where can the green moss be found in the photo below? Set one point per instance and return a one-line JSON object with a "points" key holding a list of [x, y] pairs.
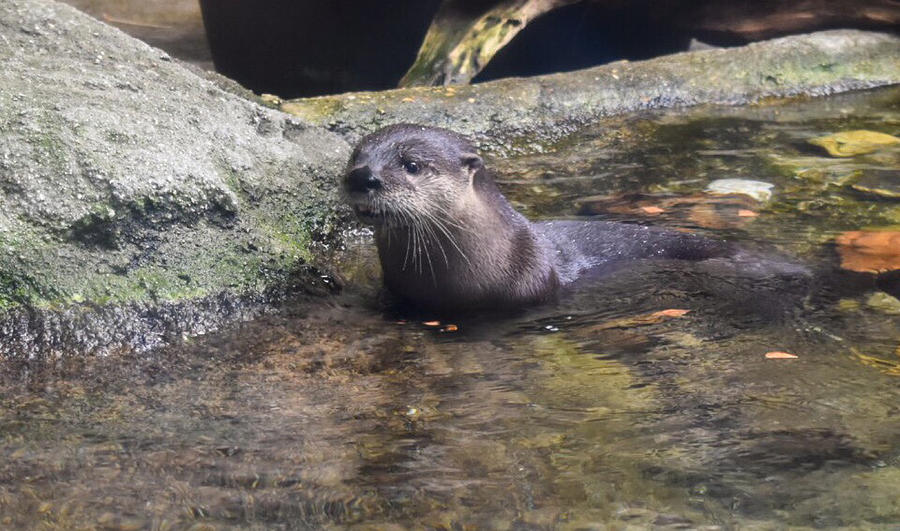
{"points": [[49, 148], [16, 286], [292, 243], [316, 110], [574, 376], [256, 252], [212, 265], [18, 289]]}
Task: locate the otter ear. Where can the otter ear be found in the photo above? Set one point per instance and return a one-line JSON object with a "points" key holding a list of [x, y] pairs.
{"points": [[472, 163]]}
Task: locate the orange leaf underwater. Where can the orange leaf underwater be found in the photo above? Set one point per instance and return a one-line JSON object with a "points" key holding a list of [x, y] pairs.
{"points": [[775, 355]]}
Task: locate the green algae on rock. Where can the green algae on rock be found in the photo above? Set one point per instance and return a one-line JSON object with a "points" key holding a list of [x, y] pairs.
{"points": [[509, 114], [128, 181]]}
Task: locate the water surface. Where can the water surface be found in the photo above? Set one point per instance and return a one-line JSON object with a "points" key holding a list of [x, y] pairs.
{"points": [[596, 412]]}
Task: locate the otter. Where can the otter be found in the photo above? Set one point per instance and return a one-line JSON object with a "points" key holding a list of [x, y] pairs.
{"points": [[449, 241]]}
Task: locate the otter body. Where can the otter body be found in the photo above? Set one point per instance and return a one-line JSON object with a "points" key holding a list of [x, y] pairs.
{"points": [[448, 240]]}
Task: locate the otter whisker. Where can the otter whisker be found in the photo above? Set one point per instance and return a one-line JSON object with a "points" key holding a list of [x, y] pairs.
{"points": [[448, 219], [443, 228], [428, 233], [436, 226], [423, 250], [413, 227], [445, 223], [417, 254], [408, 242], [423, 229], [416, 251], [454, 242], [422, 232], [437, 239], [416, 246]]}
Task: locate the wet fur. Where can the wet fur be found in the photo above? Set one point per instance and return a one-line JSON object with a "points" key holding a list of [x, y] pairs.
{"points": [[448, 240]]}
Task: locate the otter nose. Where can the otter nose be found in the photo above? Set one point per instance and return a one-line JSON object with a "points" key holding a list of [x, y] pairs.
{"points": [[362, 180]]}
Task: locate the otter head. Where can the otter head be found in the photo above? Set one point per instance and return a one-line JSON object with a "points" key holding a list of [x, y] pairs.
{"points": [[446, 236], [403, 172]]}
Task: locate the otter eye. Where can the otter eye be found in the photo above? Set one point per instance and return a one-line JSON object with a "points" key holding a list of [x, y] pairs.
{"points": [[410, 166]]}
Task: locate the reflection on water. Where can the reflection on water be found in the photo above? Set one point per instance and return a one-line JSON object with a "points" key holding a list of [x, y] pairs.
{"points": [[597, 411]]}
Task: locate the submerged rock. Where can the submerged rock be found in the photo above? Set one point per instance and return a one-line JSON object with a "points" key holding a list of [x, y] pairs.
{"points": [[884, 183], [852, 143], [884, 303], [759, 190]]}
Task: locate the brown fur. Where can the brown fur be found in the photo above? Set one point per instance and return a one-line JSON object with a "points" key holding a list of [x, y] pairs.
{"points": [[446, 237], [449, 240]]}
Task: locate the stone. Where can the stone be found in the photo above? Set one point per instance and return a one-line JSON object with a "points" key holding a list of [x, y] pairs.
{"points": [[128, 180], [852, 143], [759, 190]]}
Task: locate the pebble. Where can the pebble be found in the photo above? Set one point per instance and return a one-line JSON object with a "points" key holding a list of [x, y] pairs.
{"points": [[851, 143], [758, 190]]}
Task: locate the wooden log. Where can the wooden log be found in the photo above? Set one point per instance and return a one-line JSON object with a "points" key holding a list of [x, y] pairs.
{"points": [[464, 35]]}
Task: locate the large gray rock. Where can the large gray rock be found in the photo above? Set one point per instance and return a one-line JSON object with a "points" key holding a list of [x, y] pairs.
{"points": [[127, 180], [508, 114]]}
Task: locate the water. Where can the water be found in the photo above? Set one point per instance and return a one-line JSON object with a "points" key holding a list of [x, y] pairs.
{"points": [[597, 412]]}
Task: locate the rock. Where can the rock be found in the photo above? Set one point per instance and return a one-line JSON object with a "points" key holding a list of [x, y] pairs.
{"points": [[881, 183], [884, 303], [851, 143], [128, 180], [847, 306], [737, 20], [758, 190], [172, 25], [506, 114]]}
